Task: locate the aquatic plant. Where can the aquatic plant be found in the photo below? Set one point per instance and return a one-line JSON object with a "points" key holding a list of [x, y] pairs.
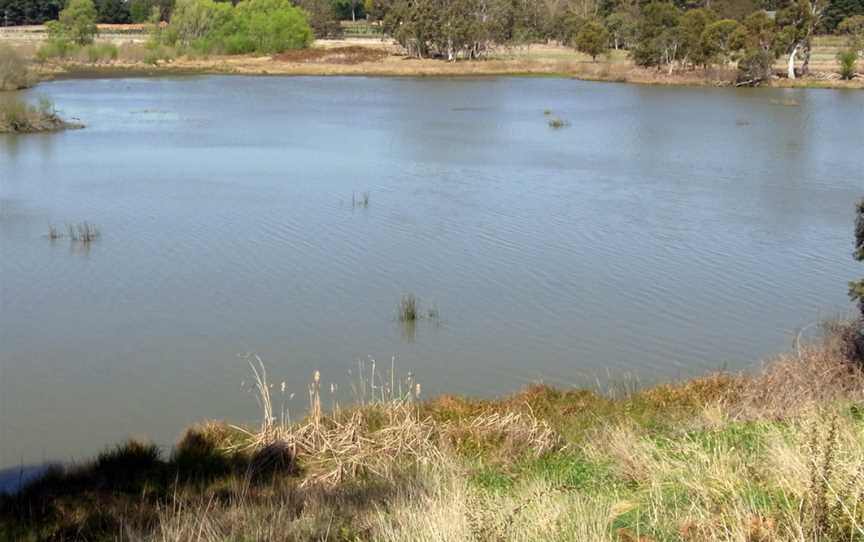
{"points": [[83, 232], [362, 201], [408, 310]]}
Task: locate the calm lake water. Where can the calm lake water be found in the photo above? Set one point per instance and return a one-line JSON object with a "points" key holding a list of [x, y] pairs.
{"points": [[664, 233]]}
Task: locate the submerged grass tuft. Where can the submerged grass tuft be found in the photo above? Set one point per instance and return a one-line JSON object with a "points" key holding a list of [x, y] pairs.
{"points": [[83, 232], [408, 309]]}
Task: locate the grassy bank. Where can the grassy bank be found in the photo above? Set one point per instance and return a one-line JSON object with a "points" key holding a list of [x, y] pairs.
{"points": [[384, 58], [777, 454]]}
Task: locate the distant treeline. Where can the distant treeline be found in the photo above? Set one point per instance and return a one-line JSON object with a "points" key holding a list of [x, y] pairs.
{"points": [[30, 12]]}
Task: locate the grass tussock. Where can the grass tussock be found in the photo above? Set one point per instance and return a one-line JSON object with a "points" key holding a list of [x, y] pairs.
{"points": [[777, 455], [14, 71]]}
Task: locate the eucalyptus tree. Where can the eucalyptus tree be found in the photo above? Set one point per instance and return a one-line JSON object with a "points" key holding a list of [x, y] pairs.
{"points": [[798, 23]]}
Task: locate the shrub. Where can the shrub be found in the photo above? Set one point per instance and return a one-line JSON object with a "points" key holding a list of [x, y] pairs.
{"points": [[592, 39], [847, 60], [14, 73], [78, 21], [55, 48], [853, 27], [754, 67], [253, 26]]}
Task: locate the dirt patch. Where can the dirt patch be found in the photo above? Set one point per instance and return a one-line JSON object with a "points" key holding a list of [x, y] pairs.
{"points": [[352, 54]]}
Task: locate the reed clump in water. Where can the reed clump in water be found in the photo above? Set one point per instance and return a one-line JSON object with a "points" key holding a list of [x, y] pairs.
{"points": [[83, 232], [408, 310], [362, 201]]}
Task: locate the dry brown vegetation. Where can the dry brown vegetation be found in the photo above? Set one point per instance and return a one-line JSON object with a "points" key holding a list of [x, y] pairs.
{"points": [[774, 455], [350, 54]]}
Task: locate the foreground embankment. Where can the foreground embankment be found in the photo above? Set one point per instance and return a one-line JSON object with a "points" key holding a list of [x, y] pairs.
{"points": [[777, 454]]}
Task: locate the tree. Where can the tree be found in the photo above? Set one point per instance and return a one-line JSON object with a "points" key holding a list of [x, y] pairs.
{"points": [[718, 40], [78, 22], [18, 12], [140, 10], [798, 23], [758, 39], [113, 11], [622, 27], [837, 11], [660, 39], [693, 24], [853, 28], [592, 39], [322, 17]]}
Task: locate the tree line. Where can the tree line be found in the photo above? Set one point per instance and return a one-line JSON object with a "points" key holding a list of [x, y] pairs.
{"points": [[680, 34]]}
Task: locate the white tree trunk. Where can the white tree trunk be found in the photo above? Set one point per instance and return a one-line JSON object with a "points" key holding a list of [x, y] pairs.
{"points": [[790, 70]]}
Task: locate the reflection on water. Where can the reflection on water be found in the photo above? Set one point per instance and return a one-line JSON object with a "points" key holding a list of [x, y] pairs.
{"points": [[663, 233]]}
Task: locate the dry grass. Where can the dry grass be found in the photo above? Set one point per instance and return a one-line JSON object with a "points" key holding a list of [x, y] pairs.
{"points": [[351, 54], [14, 71], [773, 456]]}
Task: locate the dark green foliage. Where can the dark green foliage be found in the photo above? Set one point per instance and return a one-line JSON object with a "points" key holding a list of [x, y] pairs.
{"points": [[719, 40], [140, 10], [77, 23], [113, 11], [693, 24], [592, 39], [660, 38], [18, 12], [837, 11]]}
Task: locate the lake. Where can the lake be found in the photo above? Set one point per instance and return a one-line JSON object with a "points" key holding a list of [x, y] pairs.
{"points": [[663, 233]]}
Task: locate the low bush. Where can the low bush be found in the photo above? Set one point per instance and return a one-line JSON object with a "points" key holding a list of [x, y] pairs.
{"points": [[253, 26], [847, 60]]}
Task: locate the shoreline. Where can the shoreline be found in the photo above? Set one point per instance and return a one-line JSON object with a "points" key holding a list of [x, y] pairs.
{"points": [[740, 449], [374, 58]]}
